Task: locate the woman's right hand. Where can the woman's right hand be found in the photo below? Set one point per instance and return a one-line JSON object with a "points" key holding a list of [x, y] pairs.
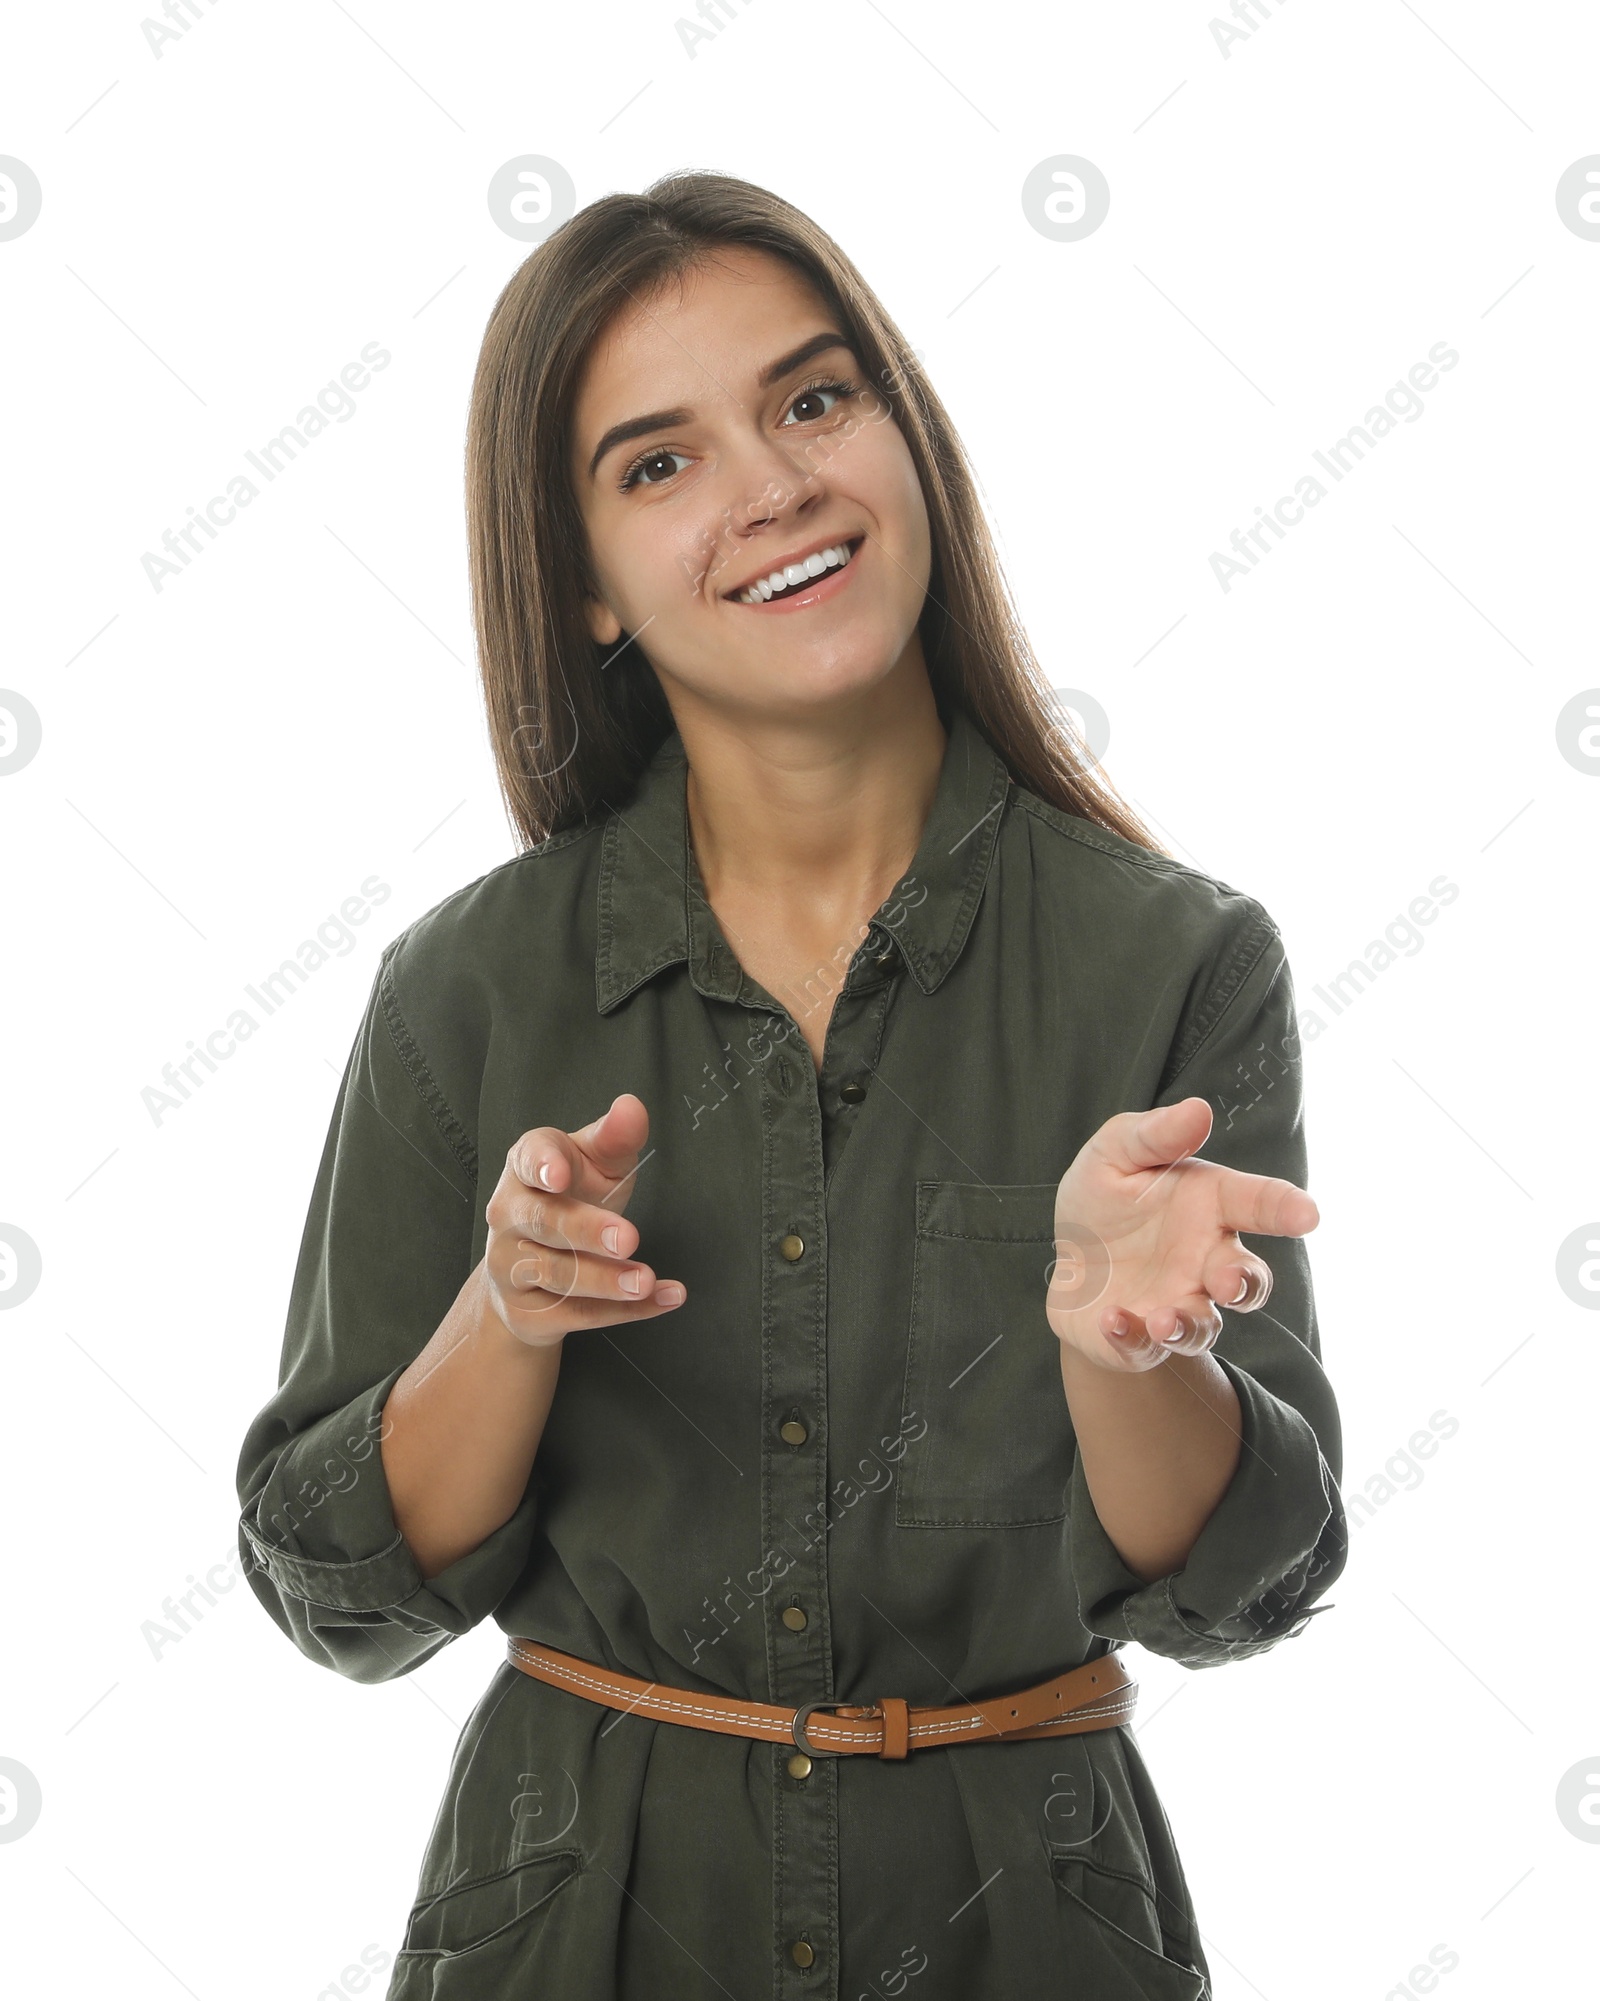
{"points": [[560, 1251]]}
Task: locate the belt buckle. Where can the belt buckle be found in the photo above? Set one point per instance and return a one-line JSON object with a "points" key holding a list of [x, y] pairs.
{"points": [[797, 1728]]}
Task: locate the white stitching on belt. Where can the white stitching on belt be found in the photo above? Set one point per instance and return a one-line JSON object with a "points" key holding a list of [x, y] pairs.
{"points": [[1115, 1704]]}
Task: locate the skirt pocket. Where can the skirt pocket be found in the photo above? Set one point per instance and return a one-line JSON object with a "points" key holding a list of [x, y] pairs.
{"points": [[464, 1940], [1118, 1944]]}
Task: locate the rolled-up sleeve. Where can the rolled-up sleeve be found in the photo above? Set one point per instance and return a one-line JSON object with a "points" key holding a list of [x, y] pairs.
{"points": [[386, 1248], [1276, 1541]]}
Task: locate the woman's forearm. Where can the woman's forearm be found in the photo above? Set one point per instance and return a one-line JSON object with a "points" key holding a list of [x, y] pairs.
{"points": [[1159, 1449], [461, 1428]]}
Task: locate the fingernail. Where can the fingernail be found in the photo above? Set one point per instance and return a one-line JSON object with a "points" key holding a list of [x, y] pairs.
{"points": [[612, 1238], [632, 1281], [670, 1295], [1173, 1338], [545, 1172]]}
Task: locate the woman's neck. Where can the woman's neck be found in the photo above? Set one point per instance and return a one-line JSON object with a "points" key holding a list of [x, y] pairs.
{"points": [[809, 815]]}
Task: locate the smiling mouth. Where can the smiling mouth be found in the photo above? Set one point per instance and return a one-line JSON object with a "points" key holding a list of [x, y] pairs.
{"points": [[802, 583]]}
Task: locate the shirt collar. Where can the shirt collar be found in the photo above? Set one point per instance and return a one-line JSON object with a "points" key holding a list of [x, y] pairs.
{"points": [[654, 911]]}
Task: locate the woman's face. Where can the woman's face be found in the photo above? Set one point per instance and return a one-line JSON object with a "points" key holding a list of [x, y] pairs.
{"points": [[736, 434]]}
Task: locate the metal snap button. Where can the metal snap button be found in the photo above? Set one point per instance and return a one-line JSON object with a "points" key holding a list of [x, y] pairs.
{"points": [[792, 1246]]}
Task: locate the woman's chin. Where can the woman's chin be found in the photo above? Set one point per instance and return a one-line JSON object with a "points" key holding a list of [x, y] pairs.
{"points": [[766, 682]]}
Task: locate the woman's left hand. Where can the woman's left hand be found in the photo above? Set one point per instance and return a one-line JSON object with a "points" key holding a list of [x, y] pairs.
{"points": [[1147, 1245]]}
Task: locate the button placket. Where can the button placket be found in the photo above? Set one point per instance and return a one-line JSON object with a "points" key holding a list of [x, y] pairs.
{"points": [[806, 1116], [850, 1054], [794, 1511]]}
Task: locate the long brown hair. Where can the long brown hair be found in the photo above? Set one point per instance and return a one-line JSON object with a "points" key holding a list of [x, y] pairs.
{"points": [[570, 739]]}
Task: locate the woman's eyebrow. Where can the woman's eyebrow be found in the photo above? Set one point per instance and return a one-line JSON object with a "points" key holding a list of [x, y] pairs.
{"points": [[661, 420]]}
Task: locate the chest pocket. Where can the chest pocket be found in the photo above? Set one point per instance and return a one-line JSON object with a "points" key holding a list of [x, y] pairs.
{"points": [[983, 1369]]}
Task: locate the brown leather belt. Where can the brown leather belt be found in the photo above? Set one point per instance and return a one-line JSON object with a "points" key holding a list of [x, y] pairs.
{"points": [[1096, 1696]]}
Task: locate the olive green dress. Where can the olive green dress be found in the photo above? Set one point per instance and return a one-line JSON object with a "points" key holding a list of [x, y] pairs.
{"points": [[845, 1467]]}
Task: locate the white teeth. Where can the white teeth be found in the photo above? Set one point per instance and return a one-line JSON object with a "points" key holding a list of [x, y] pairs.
{"points": [[796, 573]]}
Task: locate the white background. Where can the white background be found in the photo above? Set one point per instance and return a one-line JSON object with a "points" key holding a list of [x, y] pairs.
{"points": [[1293, 225]]}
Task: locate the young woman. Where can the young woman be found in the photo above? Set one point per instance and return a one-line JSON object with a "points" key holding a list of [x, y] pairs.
{"points": [[761, 1254]]}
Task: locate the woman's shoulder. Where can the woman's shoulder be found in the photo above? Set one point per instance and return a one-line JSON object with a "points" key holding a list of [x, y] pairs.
{"points": [[1094, 876], [517, 928], [1087, 855]]}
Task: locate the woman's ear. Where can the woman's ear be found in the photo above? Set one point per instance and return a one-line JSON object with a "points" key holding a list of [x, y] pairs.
{"points": [[604, 625]]}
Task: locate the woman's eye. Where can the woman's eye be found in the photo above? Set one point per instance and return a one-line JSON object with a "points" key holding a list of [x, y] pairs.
{"points": [[820, 397], [640, 468], [815, 395]]}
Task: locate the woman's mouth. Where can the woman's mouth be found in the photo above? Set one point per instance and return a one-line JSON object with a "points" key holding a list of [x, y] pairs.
{"points": [[820, 575]]}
